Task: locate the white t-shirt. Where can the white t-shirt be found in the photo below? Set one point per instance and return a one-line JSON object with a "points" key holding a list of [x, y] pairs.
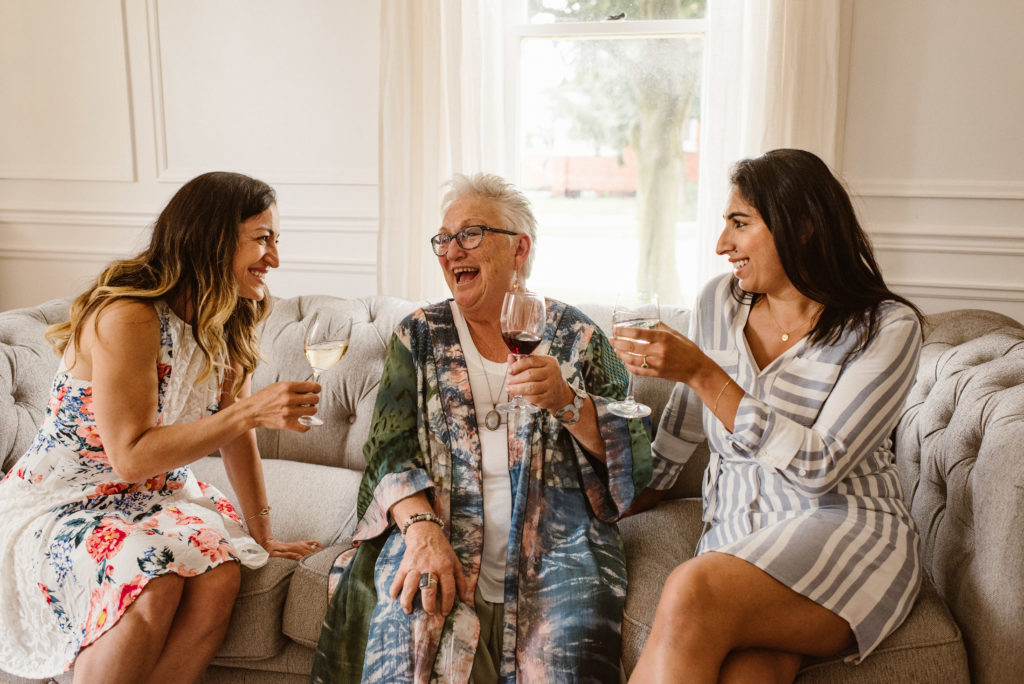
{"points": [[487, 382]]}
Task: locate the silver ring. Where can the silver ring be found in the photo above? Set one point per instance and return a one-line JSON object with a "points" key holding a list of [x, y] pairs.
{"points": [[426, 579], [644, 364]]}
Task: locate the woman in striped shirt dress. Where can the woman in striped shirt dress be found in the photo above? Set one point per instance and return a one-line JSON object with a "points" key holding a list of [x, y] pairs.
{"points": [[798, 367]]}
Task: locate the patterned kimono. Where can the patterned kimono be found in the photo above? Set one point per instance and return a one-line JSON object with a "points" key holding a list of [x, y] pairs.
{"points": [[565, 578]]}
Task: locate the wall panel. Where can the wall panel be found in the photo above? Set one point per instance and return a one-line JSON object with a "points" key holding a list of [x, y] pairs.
{"points": [[66, 110], [932, 149], [288, 88], [118, 103]]}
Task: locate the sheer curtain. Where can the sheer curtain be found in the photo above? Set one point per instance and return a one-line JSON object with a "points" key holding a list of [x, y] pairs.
{"points": [[772, 75], [441, 111]]}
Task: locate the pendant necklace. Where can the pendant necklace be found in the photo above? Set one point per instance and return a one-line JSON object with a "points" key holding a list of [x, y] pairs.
{"points": [[785, 333], [492, 420]]}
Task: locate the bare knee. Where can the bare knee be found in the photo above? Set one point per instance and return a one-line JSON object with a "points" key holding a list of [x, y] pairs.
{"points": [[687, 589], [213, 593], [159, 599]]}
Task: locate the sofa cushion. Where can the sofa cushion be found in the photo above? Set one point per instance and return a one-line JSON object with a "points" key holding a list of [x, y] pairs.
{"points": [[656, 541], [307, 596], [308, 501]]}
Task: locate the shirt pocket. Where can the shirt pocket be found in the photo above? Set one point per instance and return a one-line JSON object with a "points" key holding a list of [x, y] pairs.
{"points": [[728, 359], [802, 387]]}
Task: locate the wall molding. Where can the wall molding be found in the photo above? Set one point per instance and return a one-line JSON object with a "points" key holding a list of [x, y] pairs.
{"points": [[305, 222], [981, 240], [103, 256], [958, 291], [953, 189]]}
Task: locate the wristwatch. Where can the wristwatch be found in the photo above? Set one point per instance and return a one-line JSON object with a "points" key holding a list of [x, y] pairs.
{"points": [[570, 413]]}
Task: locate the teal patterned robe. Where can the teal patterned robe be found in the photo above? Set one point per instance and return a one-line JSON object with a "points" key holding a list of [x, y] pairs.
{"points": [[565, 579]]}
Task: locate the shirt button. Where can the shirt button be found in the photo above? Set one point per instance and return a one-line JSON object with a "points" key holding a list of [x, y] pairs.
{"points": [[351, 419], [802, 472]]}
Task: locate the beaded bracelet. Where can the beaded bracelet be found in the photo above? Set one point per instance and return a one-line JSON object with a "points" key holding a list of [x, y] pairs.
{"points": [[420, 517], [265, 511]]}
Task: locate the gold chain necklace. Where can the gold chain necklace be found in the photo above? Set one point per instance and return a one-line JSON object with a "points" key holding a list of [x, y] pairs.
{"points": [[785, 333]]}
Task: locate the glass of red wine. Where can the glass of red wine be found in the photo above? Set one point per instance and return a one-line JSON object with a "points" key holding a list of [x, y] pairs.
{"points": [[522, 327]]}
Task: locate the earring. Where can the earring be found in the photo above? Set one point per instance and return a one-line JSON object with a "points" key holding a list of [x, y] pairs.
{"points": [[515, 282]]}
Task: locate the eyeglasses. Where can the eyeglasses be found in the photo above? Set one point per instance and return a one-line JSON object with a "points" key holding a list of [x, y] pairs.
{"points": [[469, 237]]}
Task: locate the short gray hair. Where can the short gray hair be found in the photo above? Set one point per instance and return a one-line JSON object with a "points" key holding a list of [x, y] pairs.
{"points": [[512, 204]]}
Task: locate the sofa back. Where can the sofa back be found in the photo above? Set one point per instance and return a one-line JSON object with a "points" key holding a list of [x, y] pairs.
{"points": [[350, 388], [960, 455]]}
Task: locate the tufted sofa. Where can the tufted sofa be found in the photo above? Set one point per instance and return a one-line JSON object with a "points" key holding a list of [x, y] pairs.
{"points": [[959, 449]]}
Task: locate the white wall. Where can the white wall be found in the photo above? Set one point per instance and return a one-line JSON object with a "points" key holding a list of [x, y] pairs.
{"points": [[934, 147], [109, 106]]}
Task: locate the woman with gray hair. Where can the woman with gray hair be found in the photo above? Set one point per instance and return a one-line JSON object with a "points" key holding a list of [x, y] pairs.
{"points": [[488, 547]]}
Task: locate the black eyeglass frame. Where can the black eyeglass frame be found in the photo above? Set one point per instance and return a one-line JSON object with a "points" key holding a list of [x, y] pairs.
{"points": [[439, 243]]}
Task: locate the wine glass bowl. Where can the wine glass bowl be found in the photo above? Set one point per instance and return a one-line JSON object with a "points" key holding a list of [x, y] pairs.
{"points": [[523, 320], [324, 344], [633, 310]]}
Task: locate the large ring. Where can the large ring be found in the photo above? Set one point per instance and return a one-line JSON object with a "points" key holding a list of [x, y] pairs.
{"points": [[426, 579], [644, 364]]}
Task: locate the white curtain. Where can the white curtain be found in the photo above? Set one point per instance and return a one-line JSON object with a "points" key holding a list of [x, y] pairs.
{"points": [[441, 111], [772, 79], [772, 76]]}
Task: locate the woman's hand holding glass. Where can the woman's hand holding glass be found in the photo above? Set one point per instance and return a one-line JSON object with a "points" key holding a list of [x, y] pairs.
{"points": [[523, 321], [634, 311], [325, 343]]}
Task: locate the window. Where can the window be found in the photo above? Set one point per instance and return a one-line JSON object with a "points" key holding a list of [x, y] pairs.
{"points": [[608, 142]]}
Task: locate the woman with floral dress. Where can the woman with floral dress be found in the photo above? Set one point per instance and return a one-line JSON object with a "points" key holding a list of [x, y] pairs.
{"points": [[113, 557]]}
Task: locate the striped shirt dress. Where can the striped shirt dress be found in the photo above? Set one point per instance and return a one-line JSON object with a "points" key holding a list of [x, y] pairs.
{"points": [[805, 487]]}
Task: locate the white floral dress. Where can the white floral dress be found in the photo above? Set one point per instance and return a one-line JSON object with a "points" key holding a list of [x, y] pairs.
{"points": [[78, 544]]}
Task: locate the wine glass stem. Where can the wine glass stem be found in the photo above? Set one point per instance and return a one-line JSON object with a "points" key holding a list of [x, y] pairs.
{"points": [[316, 376], [629, 390], [518, 399]]}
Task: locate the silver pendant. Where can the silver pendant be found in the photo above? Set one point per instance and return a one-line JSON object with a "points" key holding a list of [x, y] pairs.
{"points": [[785, 337], [492, 420]]}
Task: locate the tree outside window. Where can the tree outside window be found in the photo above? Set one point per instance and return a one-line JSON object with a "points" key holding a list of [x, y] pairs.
{"points": [[609, 107]]}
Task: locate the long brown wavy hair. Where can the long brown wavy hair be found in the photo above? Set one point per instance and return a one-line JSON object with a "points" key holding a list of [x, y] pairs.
{"points": [[189, 261]]}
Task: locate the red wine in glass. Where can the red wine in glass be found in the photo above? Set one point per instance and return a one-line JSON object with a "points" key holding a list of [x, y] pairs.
{"points": [[521, 342], [523, 321]]}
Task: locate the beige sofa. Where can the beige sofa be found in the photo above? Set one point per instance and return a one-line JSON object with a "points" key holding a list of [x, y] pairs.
{"points": [[959, 447]]}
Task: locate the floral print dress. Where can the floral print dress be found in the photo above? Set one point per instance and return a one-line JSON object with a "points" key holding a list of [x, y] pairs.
{"points": [[78, 544]]}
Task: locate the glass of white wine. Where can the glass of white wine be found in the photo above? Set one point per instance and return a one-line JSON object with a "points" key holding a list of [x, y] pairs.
{"points": [[324, 345], [633, 310]]}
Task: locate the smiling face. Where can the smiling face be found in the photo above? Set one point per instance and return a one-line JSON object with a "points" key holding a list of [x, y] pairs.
{"points": [[750, 248], [256, 253], [478, 278]]}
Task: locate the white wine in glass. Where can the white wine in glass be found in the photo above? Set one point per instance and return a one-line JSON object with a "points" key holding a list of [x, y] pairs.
{"points": [[523, 321], [633, 310], [324, 349]]}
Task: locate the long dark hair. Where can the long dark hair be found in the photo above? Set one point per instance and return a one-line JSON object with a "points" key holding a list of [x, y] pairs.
{"points": [[822, 247], [189, 260]]}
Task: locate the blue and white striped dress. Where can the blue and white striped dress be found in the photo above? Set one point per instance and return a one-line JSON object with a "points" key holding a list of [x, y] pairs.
{"points": [[805, 487]]}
